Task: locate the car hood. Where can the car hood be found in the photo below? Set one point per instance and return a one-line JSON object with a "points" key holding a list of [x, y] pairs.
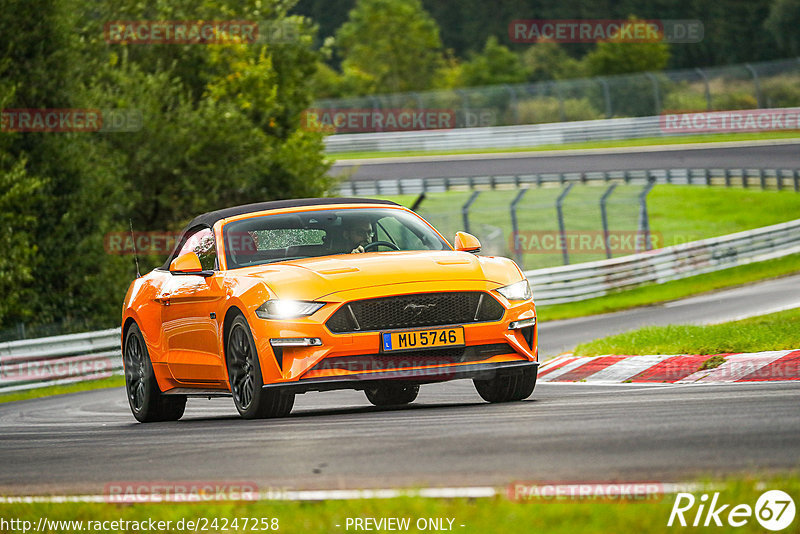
{"points": [[314, 278]]}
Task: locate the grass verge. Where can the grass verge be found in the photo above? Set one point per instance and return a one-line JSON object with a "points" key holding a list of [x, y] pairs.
{"points": [[489, 515], [103, 383], [645, 141], [676, 289], [775, 331]]}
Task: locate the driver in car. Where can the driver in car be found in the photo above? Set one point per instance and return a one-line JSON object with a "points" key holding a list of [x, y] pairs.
{"points": [[357, 234]]}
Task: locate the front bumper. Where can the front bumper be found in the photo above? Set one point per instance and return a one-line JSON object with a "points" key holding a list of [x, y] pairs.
{"points": [[301, 366], [360, 381]]}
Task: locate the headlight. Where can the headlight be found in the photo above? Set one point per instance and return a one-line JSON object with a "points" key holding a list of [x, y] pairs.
{"points": [[517, 291], [287, 309]]}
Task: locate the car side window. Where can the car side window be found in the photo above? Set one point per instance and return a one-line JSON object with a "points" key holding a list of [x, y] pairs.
{"points": [[392, 230], [202, 244]]}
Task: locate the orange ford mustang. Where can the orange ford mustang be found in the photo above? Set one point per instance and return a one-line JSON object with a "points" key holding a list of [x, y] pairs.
{"points": [[265, 301]]}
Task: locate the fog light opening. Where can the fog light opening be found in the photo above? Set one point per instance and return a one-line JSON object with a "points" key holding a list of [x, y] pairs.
{"points": [[523, 323]]}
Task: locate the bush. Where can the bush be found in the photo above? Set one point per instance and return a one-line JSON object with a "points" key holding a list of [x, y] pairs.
{"points": [[685, 101], [547, 109], [781, 92], [729, 101]]}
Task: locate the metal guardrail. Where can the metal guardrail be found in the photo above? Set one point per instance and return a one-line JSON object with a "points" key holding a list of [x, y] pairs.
{"points": [[530, 135], [49, 361], [570, 283], [32, 363], [778, 179]]}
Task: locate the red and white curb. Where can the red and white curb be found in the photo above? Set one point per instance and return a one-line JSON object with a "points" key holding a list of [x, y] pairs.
{"points": [[682, 369]]}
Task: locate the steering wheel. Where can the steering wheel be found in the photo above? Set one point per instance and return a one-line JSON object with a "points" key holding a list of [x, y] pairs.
{"points": [[376, 244]]}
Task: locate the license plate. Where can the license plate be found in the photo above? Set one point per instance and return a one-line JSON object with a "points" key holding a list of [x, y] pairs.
{"points": [[423, 339]]}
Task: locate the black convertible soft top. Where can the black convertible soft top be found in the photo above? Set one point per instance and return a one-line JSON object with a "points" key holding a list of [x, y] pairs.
{"points": [[210, 218]]}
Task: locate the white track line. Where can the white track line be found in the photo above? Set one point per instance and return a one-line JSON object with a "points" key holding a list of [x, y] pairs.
{"points": [[471, 492]]}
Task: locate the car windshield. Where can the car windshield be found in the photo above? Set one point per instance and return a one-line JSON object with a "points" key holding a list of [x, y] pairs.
{"points": [[290, 236]]}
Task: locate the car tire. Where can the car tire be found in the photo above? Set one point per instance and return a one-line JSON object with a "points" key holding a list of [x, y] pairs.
{"points": [[245, 380], [391, 394], [145, 398], [508, 387]]}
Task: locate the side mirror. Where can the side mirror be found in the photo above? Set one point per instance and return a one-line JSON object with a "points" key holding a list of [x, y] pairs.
{"points": [[188, 263], [467, 243]]}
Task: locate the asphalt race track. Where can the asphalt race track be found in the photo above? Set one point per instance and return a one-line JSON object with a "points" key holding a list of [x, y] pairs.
{"points": [[449, 436], [771, 155]]}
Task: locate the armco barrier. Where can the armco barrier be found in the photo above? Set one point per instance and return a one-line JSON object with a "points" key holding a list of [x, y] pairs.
{"points": [[498, 136], [32, 363], [755, 178], [570, 283]]}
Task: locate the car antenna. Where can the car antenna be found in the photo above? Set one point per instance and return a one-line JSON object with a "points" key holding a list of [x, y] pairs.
{"points": [[135, 256]]}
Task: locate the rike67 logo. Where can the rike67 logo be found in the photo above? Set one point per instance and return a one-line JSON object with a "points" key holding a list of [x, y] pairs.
{"points": [[774, 510]]}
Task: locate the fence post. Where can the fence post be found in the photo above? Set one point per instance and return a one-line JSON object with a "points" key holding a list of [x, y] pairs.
{"points": [[796, 176], [606, 96], [727, 177], [464, 100], [561, 230], [656, 92], [756, 83], [376, 107], [702, 73], [465, 209], [562, 113], [512, 102], [762, 179], [417, 202], [604, 217], [644, 220], [515, 226], [418, 98]]}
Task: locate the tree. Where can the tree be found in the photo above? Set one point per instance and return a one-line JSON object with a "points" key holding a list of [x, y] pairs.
{"points": [[496, 64], [783, 21], [619, 57], [548, 61], [395, 42], [220, 125]]}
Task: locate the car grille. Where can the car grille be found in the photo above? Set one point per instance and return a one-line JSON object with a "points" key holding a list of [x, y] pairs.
{"points": [[418, 310]]}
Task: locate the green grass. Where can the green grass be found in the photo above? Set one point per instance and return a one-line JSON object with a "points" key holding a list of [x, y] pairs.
{"points": [[776, 331], [645, 141], [110, 382], [678, 214], [656, 293], [489, 515]]}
